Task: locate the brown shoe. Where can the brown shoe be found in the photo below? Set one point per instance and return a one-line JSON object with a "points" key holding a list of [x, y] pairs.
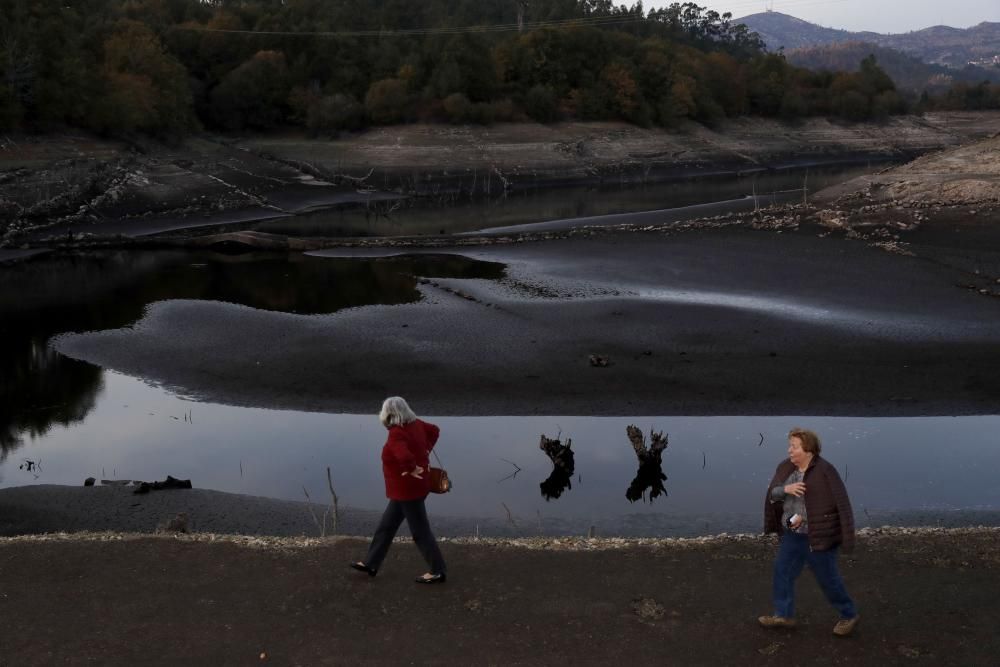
{"points": [[777, 622], [845, 626]]}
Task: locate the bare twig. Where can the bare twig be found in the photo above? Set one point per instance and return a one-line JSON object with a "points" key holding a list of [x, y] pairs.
{"points": [[513, 474], [336, 502], [510, 517], [320, 528]]}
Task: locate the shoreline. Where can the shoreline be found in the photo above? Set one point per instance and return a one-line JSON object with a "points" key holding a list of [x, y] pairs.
{"points": [[79, 180], [169, 225], [549, 543], [45, 509]]}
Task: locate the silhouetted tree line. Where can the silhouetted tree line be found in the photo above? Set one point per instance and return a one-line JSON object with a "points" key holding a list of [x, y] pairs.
{"points": [[164, 67], [908, 72], [962, 96]]}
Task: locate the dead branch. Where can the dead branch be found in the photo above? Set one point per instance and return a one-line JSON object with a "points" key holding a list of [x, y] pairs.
{"points": [[510, 517], [320, 528], [336, 505]]}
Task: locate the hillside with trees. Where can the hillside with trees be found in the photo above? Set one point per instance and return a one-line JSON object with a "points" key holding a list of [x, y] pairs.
{"points": [[909, 73], [169, 67], [940, 45]]}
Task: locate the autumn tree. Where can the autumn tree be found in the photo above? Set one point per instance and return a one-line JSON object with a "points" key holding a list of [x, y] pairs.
{"points": [[145, 88], [254, 95]]}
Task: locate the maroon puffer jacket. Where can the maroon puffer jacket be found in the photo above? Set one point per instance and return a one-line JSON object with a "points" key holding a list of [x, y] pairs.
{"points": [[407, 447], [831, 520]]}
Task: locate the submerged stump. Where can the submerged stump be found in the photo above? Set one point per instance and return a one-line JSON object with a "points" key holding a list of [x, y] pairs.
{"points": [[650, 475], [563, 466]]}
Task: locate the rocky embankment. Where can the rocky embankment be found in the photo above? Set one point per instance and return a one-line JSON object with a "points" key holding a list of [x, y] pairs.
{"points": [[81, 183]]}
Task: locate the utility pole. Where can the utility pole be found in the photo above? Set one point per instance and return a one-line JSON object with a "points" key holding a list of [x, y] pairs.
{"points": [[522, 5]]}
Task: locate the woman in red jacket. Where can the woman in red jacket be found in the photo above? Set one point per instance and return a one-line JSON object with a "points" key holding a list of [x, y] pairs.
{"points": [[405, 464]]}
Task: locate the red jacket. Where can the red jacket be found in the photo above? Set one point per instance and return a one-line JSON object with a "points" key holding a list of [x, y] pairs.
{"points": [[407, 447]]}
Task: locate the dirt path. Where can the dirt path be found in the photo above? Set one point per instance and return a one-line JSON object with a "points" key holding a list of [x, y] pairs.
{"points": [[925, 597]]}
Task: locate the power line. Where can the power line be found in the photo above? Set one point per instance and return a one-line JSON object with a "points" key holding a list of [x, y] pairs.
{"points": [[502, 27]]}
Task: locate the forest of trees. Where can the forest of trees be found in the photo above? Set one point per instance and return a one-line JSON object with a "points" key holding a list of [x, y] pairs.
{"points": [[169, 67], [909, 73]]}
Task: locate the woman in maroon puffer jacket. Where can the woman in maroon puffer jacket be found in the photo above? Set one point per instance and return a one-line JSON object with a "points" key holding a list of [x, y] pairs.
{"points": [[807, 505], [405, 464]]}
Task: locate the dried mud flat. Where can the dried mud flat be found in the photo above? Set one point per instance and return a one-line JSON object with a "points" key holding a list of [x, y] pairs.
{"points": [[926, 597], [78, 184]]}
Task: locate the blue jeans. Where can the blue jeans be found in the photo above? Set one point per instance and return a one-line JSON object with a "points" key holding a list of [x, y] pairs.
{"points": [[793, 553]]}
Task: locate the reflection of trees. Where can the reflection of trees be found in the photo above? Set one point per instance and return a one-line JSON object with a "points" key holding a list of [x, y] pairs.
{"points": [[43, 389], [650, 475], [52, 294]]}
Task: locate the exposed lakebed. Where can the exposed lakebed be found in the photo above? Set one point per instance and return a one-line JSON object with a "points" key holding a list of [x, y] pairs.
{"points": [[729, 323]]}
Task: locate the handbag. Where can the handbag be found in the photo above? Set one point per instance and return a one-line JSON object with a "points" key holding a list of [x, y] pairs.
{"points": [[438, 478]]}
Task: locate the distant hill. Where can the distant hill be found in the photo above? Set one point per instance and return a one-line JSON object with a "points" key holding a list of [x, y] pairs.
{"points": [[781, 30], [907, 71], [940, 45]]}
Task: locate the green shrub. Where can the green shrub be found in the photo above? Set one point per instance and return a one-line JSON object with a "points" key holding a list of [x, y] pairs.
{"points": [[387, 101], [540, 103], [332, 113]]}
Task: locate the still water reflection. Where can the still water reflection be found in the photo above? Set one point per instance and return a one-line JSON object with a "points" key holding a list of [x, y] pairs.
{"points": [[52, 294], [716, 466], [421, 217]]}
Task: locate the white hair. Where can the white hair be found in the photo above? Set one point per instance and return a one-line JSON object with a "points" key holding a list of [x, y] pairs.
{"points": [[395, 412]]}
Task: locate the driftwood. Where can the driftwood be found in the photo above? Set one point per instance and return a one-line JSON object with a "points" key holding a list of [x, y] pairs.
{"points": [[562, 467], [168, 483], [650, 475]]}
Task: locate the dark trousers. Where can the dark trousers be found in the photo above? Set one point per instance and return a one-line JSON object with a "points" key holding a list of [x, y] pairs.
{"points": [[793, 554], [420, 528]]}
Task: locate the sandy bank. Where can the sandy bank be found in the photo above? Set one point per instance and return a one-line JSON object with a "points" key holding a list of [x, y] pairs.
{"points": [[705, 322], [85, 185]]}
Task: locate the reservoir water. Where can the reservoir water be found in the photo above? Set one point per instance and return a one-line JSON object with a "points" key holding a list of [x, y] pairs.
{"points": [[63, 420]]}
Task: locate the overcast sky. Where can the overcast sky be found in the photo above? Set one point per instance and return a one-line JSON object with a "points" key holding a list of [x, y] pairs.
{"points": [[883, 16]]}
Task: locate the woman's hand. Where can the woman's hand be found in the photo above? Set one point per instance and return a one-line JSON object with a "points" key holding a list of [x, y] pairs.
{"points": [[798, 489], [416, 472]]}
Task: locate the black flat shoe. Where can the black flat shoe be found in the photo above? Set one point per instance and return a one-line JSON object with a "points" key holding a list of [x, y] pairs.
{"points": [[433, 579], [361, 567]]}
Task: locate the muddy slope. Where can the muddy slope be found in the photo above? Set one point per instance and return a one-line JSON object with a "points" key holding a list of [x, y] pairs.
{"points": [[86, 182]]}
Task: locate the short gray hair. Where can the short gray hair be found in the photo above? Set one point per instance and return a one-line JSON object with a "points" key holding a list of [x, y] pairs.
{"points": [[395, 412]]}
